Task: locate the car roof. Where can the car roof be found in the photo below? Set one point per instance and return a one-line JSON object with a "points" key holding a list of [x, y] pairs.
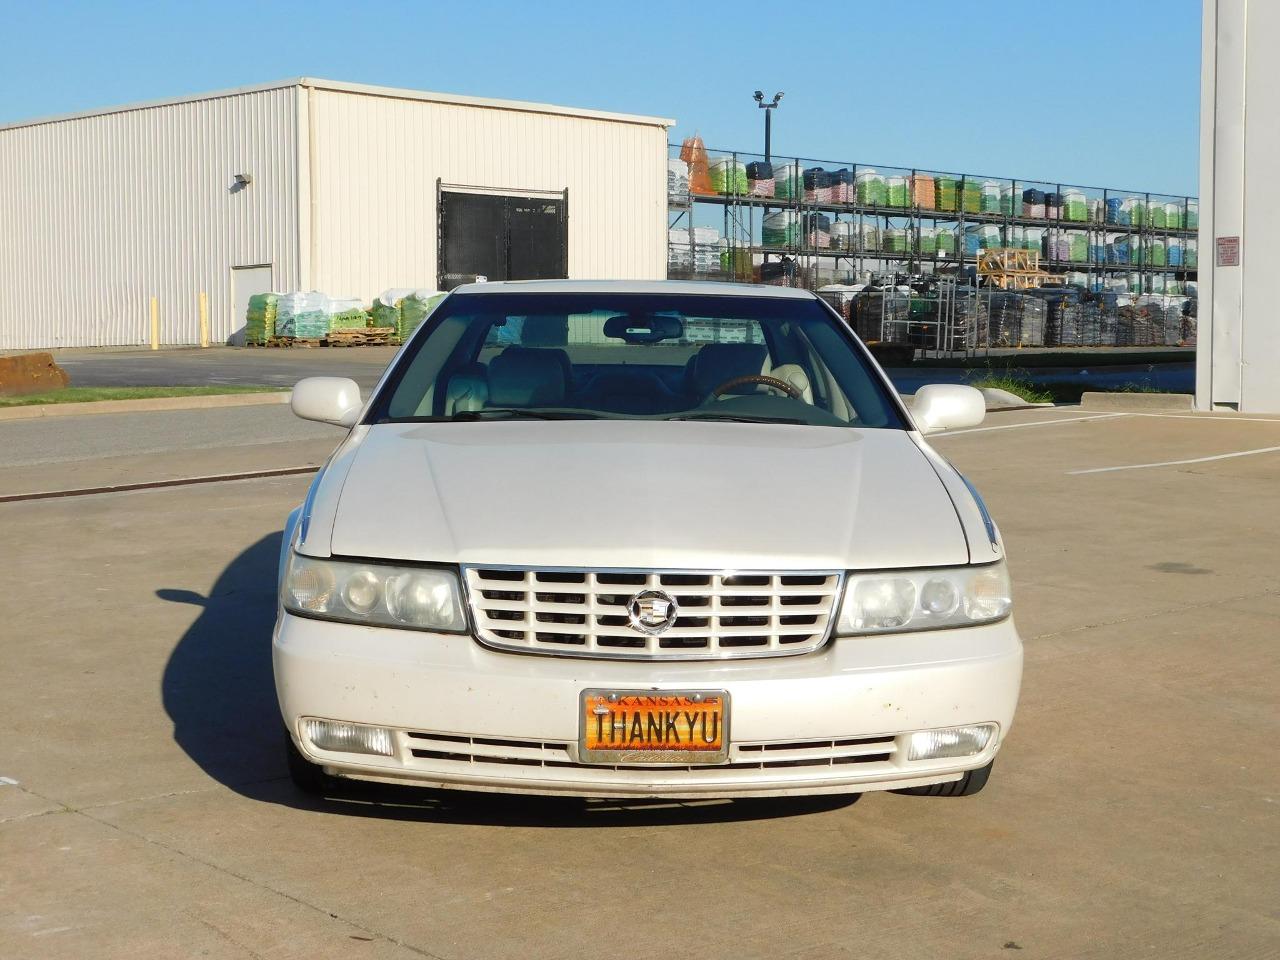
{"points": [[702, 288]]}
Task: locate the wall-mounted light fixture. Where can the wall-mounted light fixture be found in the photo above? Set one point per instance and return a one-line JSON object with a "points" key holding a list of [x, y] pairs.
{"points": [[244, 179]]}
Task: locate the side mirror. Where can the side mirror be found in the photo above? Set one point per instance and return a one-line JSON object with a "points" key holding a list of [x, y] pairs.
{"points": [[333, 400], [946, 406]]}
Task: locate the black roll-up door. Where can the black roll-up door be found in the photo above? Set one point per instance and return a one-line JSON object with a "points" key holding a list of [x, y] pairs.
{"points": [[500, 237]]}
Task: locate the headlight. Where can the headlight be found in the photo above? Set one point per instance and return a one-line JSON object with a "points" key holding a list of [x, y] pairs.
{"points": [[899, 600], [420, 598]]}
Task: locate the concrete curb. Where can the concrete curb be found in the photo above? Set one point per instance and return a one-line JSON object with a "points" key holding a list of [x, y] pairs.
{"points": [[995, 404], [998, 399], [1119, 400], [143, 405]]}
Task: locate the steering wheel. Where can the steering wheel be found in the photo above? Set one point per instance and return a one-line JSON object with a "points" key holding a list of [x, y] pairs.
{"points": [[764, 380]]}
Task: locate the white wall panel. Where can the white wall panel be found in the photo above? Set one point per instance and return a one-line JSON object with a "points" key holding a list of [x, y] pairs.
{"points": [[99, 213], [1259, 343], [1238, 360], [378, 157]]}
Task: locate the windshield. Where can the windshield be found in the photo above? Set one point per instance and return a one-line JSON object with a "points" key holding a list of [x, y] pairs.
{"points": [[601, 355]]}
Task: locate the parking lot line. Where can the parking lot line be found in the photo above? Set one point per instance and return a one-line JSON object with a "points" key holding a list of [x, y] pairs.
{"points": [[1174, 463], [1209, 417], [1031, 423]]}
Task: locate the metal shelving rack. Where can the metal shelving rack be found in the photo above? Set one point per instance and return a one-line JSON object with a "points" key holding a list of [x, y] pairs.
{"points": [[741, 217]]}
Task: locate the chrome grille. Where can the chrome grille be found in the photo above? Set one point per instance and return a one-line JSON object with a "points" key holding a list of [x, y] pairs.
{"points": [[444, 749], [584, 612]]}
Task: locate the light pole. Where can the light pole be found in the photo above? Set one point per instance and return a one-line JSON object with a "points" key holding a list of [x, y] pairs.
{"points": [[768, 109]]}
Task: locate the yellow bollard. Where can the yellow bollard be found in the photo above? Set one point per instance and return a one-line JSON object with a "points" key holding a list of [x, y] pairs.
{"points": [[204, 319], [155, 324]]}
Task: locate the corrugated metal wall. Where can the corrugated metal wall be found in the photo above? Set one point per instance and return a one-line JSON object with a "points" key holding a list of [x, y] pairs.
{"points": [[377, 160], [100, 213]]}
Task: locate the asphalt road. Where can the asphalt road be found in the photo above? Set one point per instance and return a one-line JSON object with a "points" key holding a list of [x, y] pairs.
{"points": [[1135, 809], [259, 366], [67, 439], [284, 367]]}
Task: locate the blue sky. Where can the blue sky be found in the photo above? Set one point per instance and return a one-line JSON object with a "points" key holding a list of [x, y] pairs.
{"points": [[1085, 92]]}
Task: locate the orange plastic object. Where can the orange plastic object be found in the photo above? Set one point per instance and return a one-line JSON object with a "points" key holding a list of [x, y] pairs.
{"points": [[694, 153], [922, 191]]}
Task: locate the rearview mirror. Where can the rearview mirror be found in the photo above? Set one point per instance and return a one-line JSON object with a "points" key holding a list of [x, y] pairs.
{"points": [[644, 328], [333, 400], [946, 406]]}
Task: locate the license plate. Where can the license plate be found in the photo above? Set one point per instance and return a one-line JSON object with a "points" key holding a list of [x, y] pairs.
{"points": [[635, 726]]}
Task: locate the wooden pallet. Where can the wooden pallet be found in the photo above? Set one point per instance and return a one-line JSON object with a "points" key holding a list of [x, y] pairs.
{"points": [[288, 342], [1012, 268], [355, 337]]}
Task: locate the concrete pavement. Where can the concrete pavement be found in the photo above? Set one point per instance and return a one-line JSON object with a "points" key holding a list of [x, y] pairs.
{"points": [[1134, 811]]}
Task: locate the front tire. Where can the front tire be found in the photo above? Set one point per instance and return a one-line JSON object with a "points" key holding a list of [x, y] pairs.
{"points": [[308, 777], [972, 782]]}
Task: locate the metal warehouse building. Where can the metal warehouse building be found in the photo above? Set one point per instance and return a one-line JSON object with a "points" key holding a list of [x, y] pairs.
{"points": [[309, 185]]}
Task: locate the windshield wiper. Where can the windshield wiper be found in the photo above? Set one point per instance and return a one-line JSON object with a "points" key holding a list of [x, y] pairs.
{"points": [[735, 418], [520, 413]]}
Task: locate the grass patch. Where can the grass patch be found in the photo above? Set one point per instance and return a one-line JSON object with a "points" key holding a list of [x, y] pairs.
{"points": [[1022, 389], [85, 394], [1140, 388], [1069, 392]]}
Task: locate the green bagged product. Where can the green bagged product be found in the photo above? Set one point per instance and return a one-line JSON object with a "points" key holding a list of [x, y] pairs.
{"points": [[989, 197], [870, 189], [1078, 246], [896, 191], [1006, 200], [947, 189], [1075, 207], [896, 240], [737, 262], [349, 320], [971, 196], [386, 307], [729, 177], [386, 314], [788, 181], [415, 308], [779, 229], [260, 318], [928, 241], [304, 316]]}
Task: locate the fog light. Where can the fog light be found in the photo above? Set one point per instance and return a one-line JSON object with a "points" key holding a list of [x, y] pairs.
{"points": [[951, 742], [349, 737]]}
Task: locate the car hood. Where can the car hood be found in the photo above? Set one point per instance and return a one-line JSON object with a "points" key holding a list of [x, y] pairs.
{"points": [[616, 493]]}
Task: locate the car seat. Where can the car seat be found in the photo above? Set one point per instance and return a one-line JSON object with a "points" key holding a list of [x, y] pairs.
{"points": [[717, 363], [794, 374], [526, 377], [468, 390]]}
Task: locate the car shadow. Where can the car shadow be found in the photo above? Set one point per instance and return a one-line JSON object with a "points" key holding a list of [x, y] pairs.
{"points": [[219, 691]]}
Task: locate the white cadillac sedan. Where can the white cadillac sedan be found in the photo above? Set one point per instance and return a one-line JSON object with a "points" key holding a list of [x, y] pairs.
{"points": [[642, 540]]}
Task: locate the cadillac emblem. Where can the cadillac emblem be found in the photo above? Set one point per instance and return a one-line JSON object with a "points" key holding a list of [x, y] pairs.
{"points": [[652, 611]]}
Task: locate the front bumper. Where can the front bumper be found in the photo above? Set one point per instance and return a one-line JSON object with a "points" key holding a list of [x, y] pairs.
{"points": [[464, 716]]}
